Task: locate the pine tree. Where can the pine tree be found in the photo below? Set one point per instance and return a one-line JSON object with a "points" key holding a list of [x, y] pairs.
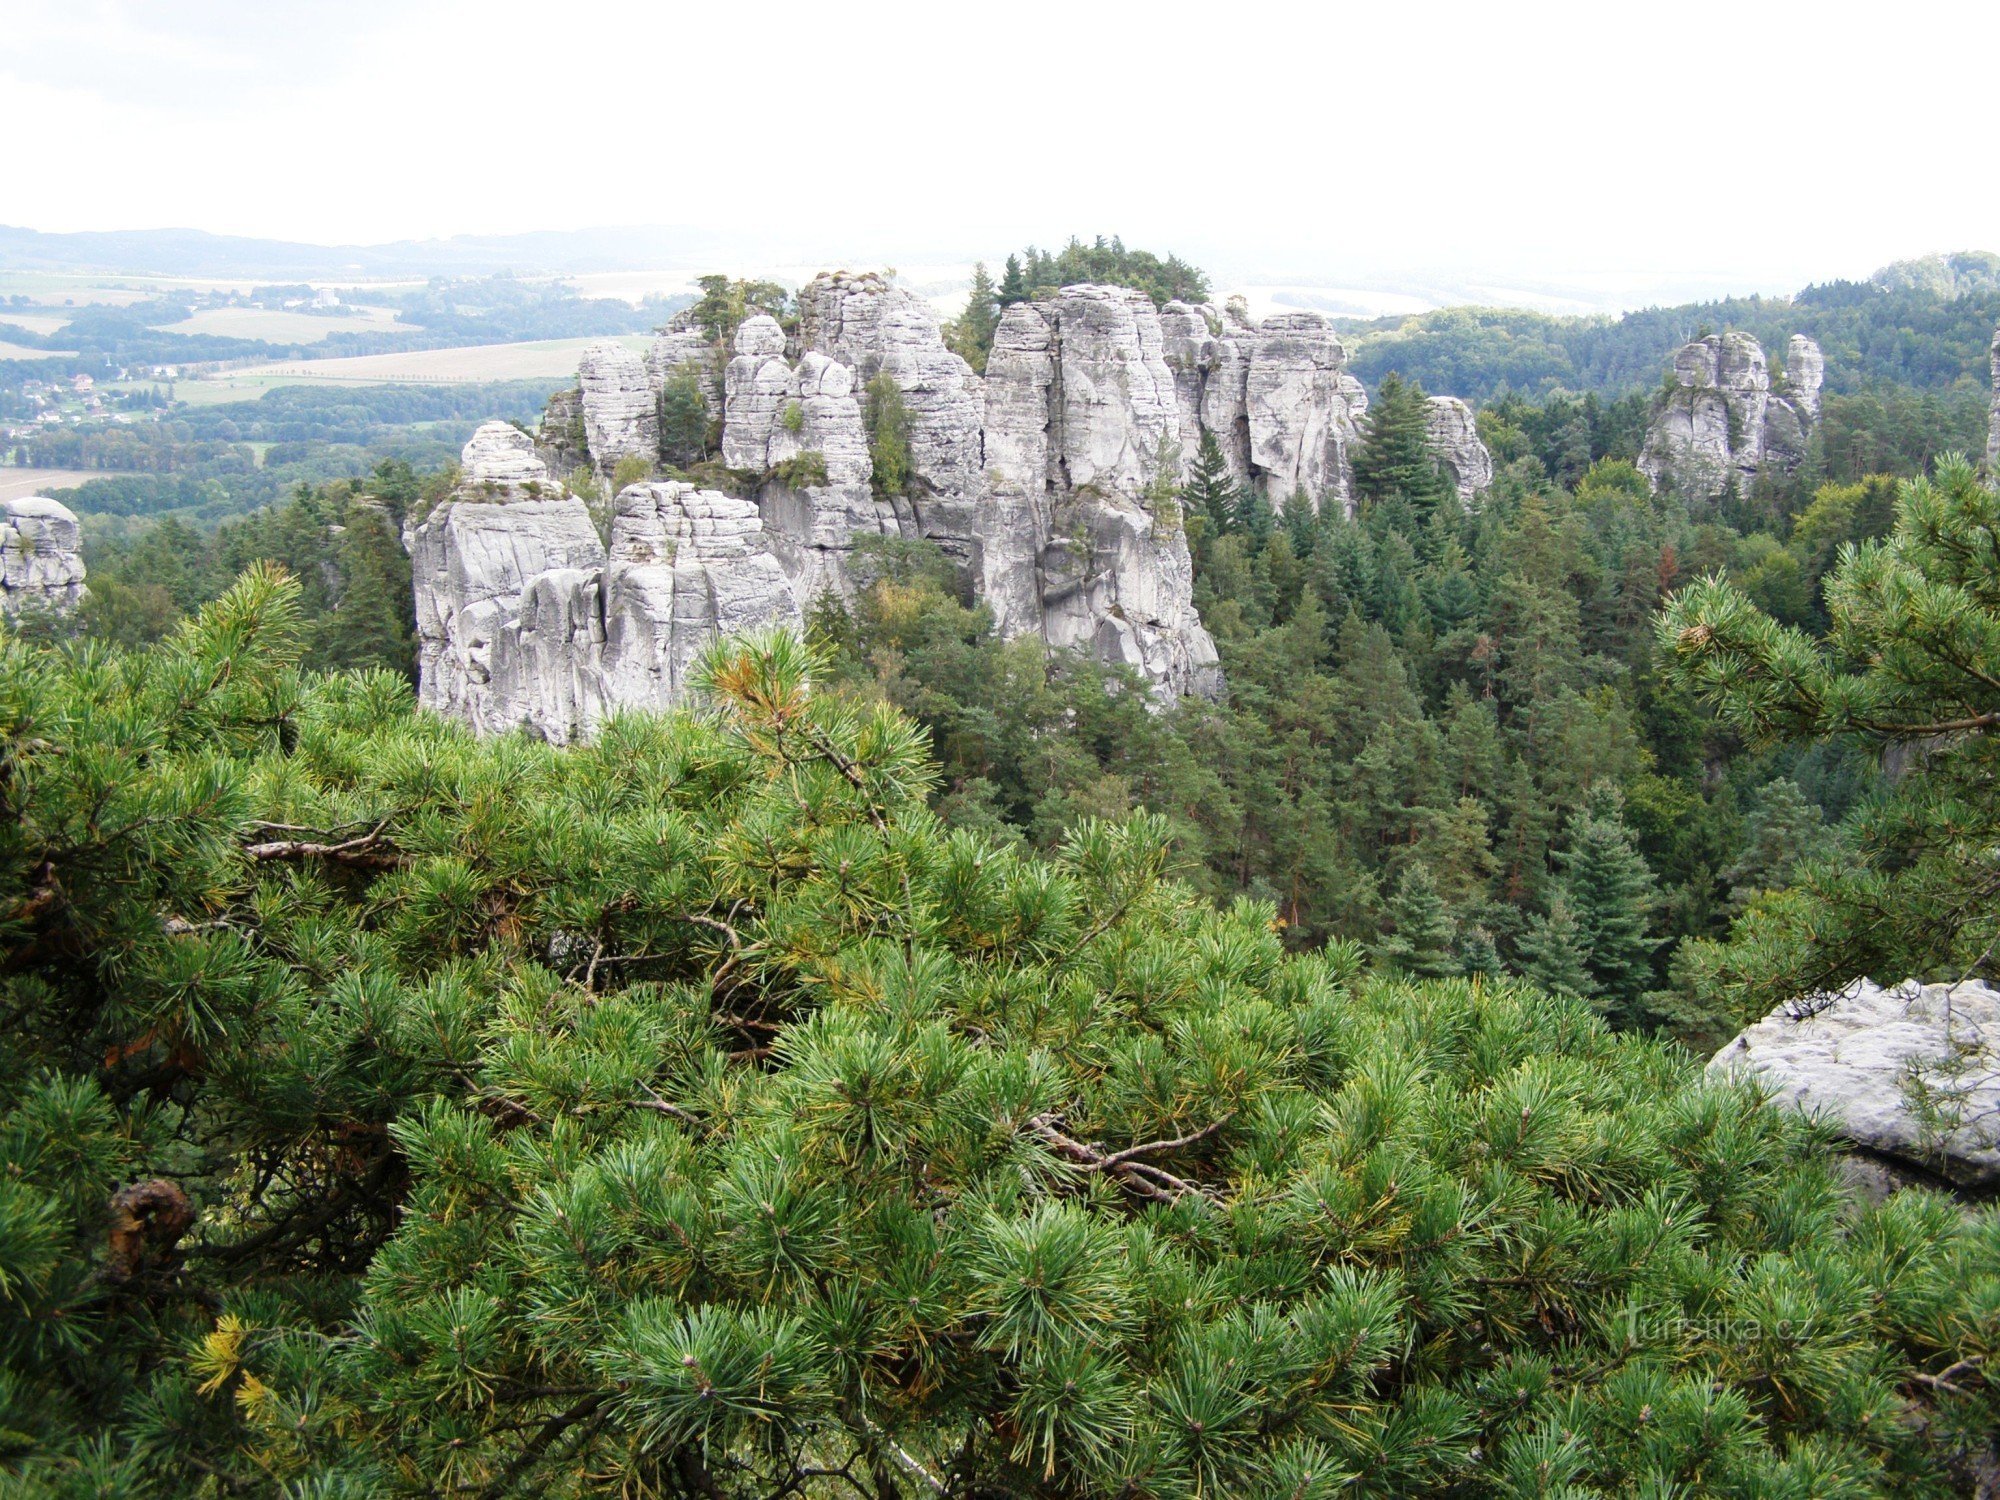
{"points": [[1394, 462], [1906, 673]]}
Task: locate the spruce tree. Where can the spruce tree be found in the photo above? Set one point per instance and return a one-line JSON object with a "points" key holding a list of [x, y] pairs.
{"points": [[1422, 939], [1394, 461], [1210, 492], [1610, 888], [970, 334], [1557, 959], [1013, 283]]}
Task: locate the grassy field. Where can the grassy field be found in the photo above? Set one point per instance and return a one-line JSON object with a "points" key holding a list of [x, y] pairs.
{"points": [[15, 483], [22, 351], [280, 327], [546, 359]]}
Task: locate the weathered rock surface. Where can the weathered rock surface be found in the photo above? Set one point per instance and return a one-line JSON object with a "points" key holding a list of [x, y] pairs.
{"points": [[1993, 424], [1276, 395], [1867, 1055], [1724, 425], [501, 457], [877, 328], [525, 618], [1081, 541], [473, 561], [1454, 438], [621, 413], [1049, 482], [561, 441], [41, 556], [686, 566]]}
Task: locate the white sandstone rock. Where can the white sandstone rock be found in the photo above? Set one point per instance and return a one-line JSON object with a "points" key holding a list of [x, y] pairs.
{"points": [[502, 457], [1077, 542], [686, 566], [1723, 424], [1454, 440], [1993, 423], [876, 328], [1867, 1055], [41, 556], [1301, 429], [621, 415]]}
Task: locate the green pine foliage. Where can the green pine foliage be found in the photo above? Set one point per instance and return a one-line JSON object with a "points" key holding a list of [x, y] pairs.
{"points": [[970, 334], [1106, 262], [1907, 671], [386, 1112]]}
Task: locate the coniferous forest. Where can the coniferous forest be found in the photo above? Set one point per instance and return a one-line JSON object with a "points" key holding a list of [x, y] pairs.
{"points": [[924, 1065]]}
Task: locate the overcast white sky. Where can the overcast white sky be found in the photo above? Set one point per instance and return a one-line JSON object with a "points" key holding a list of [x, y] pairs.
{"points": [[1747, 143]]}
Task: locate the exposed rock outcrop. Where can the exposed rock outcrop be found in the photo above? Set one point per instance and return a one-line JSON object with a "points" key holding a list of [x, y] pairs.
{"points": [[1049, 481], [1276, 395], [525, 618], [621, 412], [502, 458], [685, 567], [1454, 438], [874, 327], [41, 557], [1082, 541], [1725, 424], [1993, 423], [1911, 1073]]}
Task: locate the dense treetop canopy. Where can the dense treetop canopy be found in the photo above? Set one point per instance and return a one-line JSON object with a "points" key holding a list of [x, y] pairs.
{"points": [[386, 1112]]}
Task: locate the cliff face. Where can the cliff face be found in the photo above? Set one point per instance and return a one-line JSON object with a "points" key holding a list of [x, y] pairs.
{"points": [[524, 617], [1081, 540], [1993, 424], [41, 557], [1725, 424], [1454, 438], [1050, 481], [1276, 395]]}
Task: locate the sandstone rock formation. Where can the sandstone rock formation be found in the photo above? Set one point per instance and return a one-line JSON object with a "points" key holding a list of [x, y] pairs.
{"points": [[41, 557], [1911, 1073], [1993, 423], [1081, 541], [621, 412], [474, 563], [1276, 395], [501, 457], [1454, 438], [1048, 482], [1725, 424], [524, 618], [685, 567]]}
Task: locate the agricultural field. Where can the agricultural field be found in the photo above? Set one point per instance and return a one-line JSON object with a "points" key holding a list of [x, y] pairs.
{"points": [[544, 359], [22, 351], [16, 483], [281, 327]]}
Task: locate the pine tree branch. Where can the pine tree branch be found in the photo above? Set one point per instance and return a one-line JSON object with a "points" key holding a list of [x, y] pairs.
{"points": [[1142, 1179], [364, 850], [549, 1431]]}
